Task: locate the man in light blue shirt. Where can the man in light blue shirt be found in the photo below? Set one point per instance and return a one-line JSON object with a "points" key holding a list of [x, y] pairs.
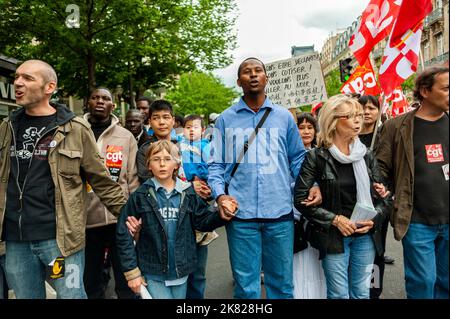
{"points": [[260, 236]]}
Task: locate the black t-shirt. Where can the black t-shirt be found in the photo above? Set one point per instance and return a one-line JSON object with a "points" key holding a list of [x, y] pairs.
{"points": [[366, 139], [33, 218], [430, 139], [347, 187]]}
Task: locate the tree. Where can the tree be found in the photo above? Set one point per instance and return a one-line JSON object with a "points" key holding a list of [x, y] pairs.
{"points": [[123, 42], [333, 83], [201, 93]]}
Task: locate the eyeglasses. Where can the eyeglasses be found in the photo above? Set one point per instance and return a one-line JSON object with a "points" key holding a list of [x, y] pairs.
{"points": [[159, 159], [350, 116]]}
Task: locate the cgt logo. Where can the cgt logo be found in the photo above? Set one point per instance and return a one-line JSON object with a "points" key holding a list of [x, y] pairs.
{"points": [[434, 153], [114, 157]]}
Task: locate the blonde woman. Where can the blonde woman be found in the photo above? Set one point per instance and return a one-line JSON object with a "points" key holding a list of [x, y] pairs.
{"points": [[348, 176]]}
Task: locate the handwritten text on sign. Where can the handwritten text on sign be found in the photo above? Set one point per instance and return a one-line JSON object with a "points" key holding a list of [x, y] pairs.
{"points": [[296, 81]]}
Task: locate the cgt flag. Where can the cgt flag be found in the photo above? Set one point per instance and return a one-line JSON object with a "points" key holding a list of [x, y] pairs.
{"points": [[398, 101], [376, 24], [401, 54], [362, 81]]}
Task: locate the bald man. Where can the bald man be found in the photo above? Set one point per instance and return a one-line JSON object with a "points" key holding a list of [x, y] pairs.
{"points": [[46, 156]]}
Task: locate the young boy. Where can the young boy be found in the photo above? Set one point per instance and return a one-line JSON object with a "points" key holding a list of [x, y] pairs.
{"points": [[165, 253], [162, 122]]}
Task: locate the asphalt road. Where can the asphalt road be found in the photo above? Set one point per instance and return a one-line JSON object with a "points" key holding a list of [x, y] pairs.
{"points": [[220, 280]]}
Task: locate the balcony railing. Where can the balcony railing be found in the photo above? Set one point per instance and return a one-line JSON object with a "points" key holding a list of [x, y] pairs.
{"points": [[434, 16], [440, 59]]}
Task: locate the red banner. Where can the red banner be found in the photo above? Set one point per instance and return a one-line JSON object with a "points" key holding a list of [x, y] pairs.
{"points": [[362, 81], [377, 21], [399, 103], [401, 54]]}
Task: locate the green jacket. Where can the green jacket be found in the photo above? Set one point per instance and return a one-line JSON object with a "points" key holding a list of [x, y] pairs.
{"points": [[395, 155], [74, 159]]}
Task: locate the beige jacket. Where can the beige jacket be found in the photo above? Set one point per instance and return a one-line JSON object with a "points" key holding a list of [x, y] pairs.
{"points": [[121, 155]]}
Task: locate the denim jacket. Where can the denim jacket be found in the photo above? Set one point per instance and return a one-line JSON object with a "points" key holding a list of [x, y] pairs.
{"points": [[151, 252]]}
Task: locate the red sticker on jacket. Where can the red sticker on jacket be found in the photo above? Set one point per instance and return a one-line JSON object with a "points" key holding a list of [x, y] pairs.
{"points": [[434, 153], [114, 156]]}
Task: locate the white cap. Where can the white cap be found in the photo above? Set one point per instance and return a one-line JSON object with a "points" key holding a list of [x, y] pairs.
{"points": [[213, 117]]}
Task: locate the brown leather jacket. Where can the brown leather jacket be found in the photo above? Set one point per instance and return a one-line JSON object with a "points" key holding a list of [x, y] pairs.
{"points": [[395, 155]]}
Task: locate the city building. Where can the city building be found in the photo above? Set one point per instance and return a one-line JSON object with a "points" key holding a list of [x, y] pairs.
{"points": [[7, 93]]}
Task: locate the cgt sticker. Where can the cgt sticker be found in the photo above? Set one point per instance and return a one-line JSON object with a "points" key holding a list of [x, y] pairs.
{"points": [[434, 153], [114, 159]]}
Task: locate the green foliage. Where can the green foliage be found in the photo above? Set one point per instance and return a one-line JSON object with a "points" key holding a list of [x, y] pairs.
{"points": [[200, 93], [117, 42], [333, 83], [408, 85]]}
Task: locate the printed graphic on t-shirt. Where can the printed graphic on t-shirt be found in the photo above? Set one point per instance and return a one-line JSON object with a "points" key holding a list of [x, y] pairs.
{"points": [[29, 138], [169, 213], [114, 159], [434, 153]]}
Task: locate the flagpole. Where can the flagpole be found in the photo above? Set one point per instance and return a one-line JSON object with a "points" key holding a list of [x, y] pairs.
{"points": [[377, 125]]}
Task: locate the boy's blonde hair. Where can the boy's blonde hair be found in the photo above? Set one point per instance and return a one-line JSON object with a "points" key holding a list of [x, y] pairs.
{"points": [[329, 115], [163, 145]]}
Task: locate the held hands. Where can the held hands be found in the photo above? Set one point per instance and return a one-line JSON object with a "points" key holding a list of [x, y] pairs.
{"points": [[381, 190], [135, 284], [227, 207], [134, 226], [314, 197], [345, 226], [363, 226], [201, 188]]}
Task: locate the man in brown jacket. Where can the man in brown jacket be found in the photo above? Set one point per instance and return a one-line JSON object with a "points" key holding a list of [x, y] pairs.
{"points": [[413, 156], [119, 148], [46, 156]]}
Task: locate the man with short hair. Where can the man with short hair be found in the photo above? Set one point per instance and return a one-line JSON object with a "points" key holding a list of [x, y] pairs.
{"points": [[413, 154], [119, 148], [260, 236], [46, 155], [134, 122], [143, 105]]}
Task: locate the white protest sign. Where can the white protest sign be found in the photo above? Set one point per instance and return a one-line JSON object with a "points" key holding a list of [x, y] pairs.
{"points": [[296, 81]]}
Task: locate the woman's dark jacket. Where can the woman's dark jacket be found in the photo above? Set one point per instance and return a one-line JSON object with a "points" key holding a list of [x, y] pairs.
{"points": [[322, 235], [150, 255]]}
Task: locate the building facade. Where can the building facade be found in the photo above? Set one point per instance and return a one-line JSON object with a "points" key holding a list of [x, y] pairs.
{"points": [[7, 93]]}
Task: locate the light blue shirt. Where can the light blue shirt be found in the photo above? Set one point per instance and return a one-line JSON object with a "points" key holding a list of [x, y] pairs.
{"points": [[261, 184]]}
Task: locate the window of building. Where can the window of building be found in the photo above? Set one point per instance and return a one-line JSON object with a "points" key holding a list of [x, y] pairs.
{"points": [[438, 4], [440, 44]]}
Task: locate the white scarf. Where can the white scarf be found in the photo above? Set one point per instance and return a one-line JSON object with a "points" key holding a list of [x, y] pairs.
{"points": [[356, 157]]}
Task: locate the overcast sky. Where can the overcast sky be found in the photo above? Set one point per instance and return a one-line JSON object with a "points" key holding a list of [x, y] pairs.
{"points": [[267, 29]]}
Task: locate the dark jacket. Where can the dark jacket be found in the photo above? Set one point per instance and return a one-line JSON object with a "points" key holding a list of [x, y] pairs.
{"points": [[319, 167], [151, 252], [395, 155]]}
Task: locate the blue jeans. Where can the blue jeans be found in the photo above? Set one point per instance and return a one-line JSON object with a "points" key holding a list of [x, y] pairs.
{"points": [[257, 245], [196, 283], [158, 290], [3, 285], [425, 255], [26, 264], [348, 275]]}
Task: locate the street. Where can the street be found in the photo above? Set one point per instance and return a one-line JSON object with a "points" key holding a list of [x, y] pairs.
{"points": [[220, 281]]}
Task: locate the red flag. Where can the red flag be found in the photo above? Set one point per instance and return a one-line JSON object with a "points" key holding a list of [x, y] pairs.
{"points": [[399, 103], [400, 60], [362, 81], [410, 17], [376, 24]]}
